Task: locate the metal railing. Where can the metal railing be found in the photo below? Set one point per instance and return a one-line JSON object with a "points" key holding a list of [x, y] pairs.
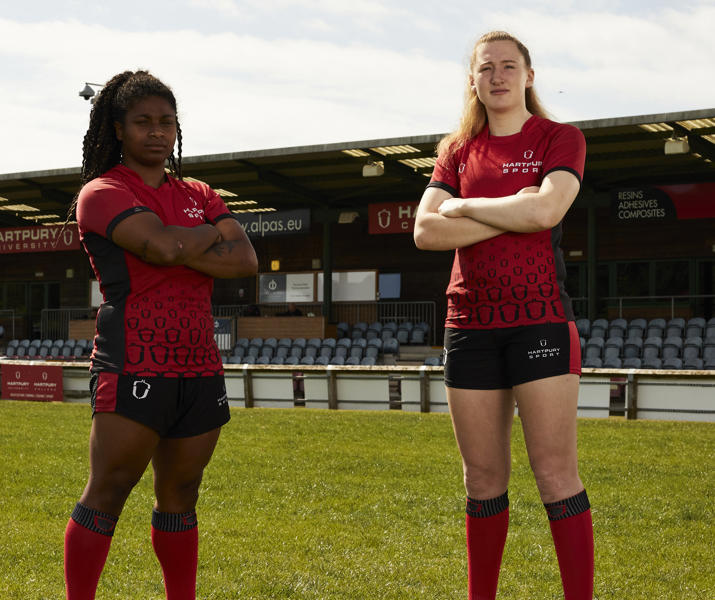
{"points": [[349, 312], [7, 321], [55, 322]]}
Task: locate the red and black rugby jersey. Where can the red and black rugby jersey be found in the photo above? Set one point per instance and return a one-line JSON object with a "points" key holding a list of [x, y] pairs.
{"points": [[513, 279], [155, 320]]}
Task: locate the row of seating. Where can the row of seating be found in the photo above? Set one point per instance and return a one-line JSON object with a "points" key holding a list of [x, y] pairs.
{"points": [[652, 347], [641, 328], [48, 349], [405, 332], [311, 351]]}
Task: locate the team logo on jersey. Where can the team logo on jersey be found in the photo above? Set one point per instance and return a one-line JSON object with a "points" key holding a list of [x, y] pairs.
{"points": [[461, 168], [194, 213], [140, 389], [527, 165]]}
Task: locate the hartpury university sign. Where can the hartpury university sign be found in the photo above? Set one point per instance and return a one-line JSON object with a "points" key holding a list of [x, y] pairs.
{"points": [[392, 217], [32, 382], [49, 238]]}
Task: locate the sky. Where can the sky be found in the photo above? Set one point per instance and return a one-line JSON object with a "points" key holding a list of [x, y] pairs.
{"points": [[257, 74]]}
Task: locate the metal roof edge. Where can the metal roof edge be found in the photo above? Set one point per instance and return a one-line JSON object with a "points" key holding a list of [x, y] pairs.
{"points": [[36, 174], [705, 113]]}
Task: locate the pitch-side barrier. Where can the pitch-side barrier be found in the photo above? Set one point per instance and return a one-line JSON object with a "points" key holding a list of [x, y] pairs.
{"points": [[645, 394]]}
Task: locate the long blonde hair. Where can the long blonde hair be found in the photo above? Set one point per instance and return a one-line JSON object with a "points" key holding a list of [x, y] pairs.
{"points": [[474, 115]]}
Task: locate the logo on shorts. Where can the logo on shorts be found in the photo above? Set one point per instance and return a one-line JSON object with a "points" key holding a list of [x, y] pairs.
{"points": [[444, 355], [544, 351], [223, 400], [140, 389]]}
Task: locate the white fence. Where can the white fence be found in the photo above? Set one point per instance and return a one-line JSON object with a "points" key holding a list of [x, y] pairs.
{"points": [[648, 394]]}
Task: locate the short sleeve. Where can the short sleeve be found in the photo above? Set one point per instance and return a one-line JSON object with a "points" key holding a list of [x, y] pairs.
{"points": [[566, 152], [445, 175], [103, 203]]}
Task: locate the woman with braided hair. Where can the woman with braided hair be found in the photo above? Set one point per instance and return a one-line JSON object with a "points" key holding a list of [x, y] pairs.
{"points": [[501, 186], [155, 243]]}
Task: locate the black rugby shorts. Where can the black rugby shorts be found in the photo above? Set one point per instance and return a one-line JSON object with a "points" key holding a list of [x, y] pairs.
{"points": [[174, 407], [495, 359]]}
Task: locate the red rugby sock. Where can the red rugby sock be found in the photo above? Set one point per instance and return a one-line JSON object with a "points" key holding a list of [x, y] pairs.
{"points": [[87, 540], [572, 530], [175, 538], [487, 524]]}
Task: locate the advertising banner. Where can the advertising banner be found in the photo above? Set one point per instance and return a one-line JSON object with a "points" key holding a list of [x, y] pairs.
{"points": [[664, 202], [300, 287], [51, 238], [392, 217], [32, 382], [286, 222], [271, 288]]}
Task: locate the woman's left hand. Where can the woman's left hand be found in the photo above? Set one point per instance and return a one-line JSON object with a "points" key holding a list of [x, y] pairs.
{"points": [[452, 207]]}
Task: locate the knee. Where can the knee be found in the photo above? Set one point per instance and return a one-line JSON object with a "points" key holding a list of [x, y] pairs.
{"points": [[109, 491], [483, 481], [556, 482], [177, 496]]}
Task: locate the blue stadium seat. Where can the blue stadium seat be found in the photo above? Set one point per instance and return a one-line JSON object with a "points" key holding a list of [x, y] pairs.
{"points": [[594, 348], [322, 360], [612, 362], [278, 360], [432, 361], [256, 341], [387, 334], [617, 328], [267, 352], [285, 342], [692, 348], [632, 363], [672, 362], [651, 362], [263, 360], [368, 361], [356, 352], [376, 325], [307, 360], [314, 343], [695, 364], [599, 328], [417, 336], [593, 362], [291, 360], [340, 352], [296, 352], [361, 342], [675, 327], [636, 328], [656, 328], [238, 351], [583, 326], [695, 327], [345, 342], [337, 360], [282, 352], [633, 347], [243, 342], [613, 348], [672, 347], [652, 348], [352, 360], [391, 326], [371, 334], [13, 343], [299, 342], [391, 346], [402, 336]]}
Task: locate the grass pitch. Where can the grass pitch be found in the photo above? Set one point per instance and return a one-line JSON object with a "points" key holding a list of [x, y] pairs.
{"points": [[305, 504]]}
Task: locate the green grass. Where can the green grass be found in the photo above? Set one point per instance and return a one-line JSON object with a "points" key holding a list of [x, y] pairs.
{"points": [[308, 504]]}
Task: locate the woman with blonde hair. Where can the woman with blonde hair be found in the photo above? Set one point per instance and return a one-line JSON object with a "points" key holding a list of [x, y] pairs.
{"points": [[501, 186]]}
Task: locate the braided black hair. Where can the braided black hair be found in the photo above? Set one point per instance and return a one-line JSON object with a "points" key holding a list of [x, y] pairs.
{"points": [[101, 149]]}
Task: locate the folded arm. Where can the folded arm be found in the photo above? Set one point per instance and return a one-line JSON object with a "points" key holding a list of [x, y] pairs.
{"points": [[231, 257], [532, 209], [145, 235], [435, 231]]}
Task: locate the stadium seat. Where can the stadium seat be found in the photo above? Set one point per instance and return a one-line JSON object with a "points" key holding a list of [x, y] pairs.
{"points": [[267, 352], [341, 352], [692, 348], [599, 328], [44, 351], [277, 360], [13, 343], [632, 363], [651, 362], [256, 341], [372, 352], [235, 360], [633, 347], [345, 343], [66, 352], [322, 360], [32, 351], [432, 361], [636, 328], [376, 325], [271, 342], [55, 352], [307, 360], [371, 334], [582, 343], [10, 351], [310, 351], [356, 352], [58, 343], [423, 325], [337, 360], [652, 347], [402, 336], [360, 326], [672, 347], [408, 325], [238, 351], [584, 327], [242, 342], [613, 348], [352, 361], [612, 362], [299, 342], [253, 352], [695, 327], [709, 364], [617, 328], [709, 329], [377, 343], [656, 328], [329, 343], [368, 361], [593, 362], [387, 334], [282, 352], [594, 348], [360, 342], [285, 343], [343, 329], [70, 342], [672, 362], [417, 336], [391, 346], [314, 343], [35, 343], [709, 348], [248, 360], [21, 351], [291, 360], [263, 360], [695, 364], [390, 326], [675, 327], [326, 351]]}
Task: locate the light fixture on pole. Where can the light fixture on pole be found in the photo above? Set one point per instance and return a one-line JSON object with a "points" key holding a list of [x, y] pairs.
{"points": [[373, 169], [676, 145], [88, 92]]}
